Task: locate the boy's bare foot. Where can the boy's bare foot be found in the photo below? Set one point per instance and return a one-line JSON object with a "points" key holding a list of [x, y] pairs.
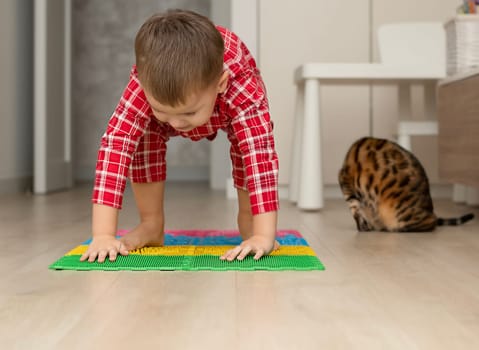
{"points": [[143, 236]]}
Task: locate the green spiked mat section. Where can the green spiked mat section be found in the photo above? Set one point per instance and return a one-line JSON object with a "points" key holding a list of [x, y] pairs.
{"points": [[188, 263], [200, 250]]}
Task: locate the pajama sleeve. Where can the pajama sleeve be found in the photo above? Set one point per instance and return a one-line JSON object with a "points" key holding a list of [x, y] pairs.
{"points": [[125, 128], [252, 130]]}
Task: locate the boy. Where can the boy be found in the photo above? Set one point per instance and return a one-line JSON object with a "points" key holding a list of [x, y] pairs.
{"points": [[191, 79]]}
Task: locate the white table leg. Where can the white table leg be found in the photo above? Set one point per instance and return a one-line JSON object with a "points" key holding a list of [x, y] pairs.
{"points": [[310, 196], [296, 153]]}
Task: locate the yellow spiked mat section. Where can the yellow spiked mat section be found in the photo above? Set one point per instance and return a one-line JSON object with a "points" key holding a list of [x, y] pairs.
{"points": [[193, 250]]}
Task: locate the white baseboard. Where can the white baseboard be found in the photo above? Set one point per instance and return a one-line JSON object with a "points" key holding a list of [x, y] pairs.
{"points": [[232, 194], [438, 191], [174, 173], [16, 185], [188, 173]]}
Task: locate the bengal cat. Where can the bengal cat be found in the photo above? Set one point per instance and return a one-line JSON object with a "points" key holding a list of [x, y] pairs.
{"points": [[387, 189]]}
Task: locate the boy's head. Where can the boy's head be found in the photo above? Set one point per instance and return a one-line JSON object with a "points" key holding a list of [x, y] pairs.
{"points": [[178, 54]]}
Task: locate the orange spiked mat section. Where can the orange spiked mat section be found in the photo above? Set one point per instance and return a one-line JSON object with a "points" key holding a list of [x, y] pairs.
{"points": [[200, 250]]}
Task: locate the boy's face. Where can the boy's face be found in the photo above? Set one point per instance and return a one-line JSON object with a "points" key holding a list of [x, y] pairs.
{"points": [[195, 112]]}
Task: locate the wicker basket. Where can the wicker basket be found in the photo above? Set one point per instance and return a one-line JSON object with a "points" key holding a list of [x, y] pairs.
{"points": [[462, 39]]}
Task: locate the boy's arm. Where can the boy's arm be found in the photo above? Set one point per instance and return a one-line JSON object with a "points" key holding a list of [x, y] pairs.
{"points": [[104, 243], [124, 131], [261, 242], [126, 127], [265, 225], [251, 135], [104, 220]]}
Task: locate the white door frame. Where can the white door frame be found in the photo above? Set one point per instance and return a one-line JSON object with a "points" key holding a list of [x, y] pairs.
{"points": [[52, 166], [241, 16]]}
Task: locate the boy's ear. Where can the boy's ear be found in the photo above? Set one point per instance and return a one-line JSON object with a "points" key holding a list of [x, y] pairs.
{"points": [[223, 82]]}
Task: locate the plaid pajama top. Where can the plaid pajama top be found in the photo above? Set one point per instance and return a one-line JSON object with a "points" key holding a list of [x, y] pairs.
{"points": [[134, 144]]}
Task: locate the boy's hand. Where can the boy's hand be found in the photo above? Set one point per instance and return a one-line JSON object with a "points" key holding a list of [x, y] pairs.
{"points": [[257, 245], [103, 246]]}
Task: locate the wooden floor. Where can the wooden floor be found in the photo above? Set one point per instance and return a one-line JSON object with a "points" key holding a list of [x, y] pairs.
{"points": [[379, 291]]}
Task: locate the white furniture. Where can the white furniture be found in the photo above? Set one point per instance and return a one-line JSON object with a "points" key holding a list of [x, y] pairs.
{"points": [[409, 52]]}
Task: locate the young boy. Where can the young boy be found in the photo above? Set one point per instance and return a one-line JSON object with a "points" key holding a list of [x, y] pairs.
{"points": [[190, 79]]}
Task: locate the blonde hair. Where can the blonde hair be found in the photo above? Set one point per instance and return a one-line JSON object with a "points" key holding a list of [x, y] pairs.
{"points": [[178, 53]]}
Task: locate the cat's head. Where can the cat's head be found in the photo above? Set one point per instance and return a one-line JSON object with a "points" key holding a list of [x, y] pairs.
{"points": [[362, 221]]}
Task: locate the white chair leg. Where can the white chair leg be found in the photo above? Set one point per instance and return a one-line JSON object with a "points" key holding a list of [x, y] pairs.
{"points": [[310, 196], [430, 104], [413, 128], [472, 196], [404, 100], [459, 193], [404, 140], [296, 152]]}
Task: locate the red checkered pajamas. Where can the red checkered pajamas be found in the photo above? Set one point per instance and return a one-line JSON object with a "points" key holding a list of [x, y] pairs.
{"points": [[134, 144]]}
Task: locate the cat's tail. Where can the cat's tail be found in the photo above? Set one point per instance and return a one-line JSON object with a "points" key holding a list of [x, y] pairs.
{"points": [[454, 221]]}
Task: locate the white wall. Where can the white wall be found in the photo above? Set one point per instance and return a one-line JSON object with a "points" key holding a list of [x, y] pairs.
{"points": [[384, 98], [295, 32], [16, 71], [103, 52]]}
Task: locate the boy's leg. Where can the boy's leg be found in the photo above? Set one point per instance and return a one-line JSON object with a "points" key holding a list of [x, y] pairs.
{"points": [[150, 231]]}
